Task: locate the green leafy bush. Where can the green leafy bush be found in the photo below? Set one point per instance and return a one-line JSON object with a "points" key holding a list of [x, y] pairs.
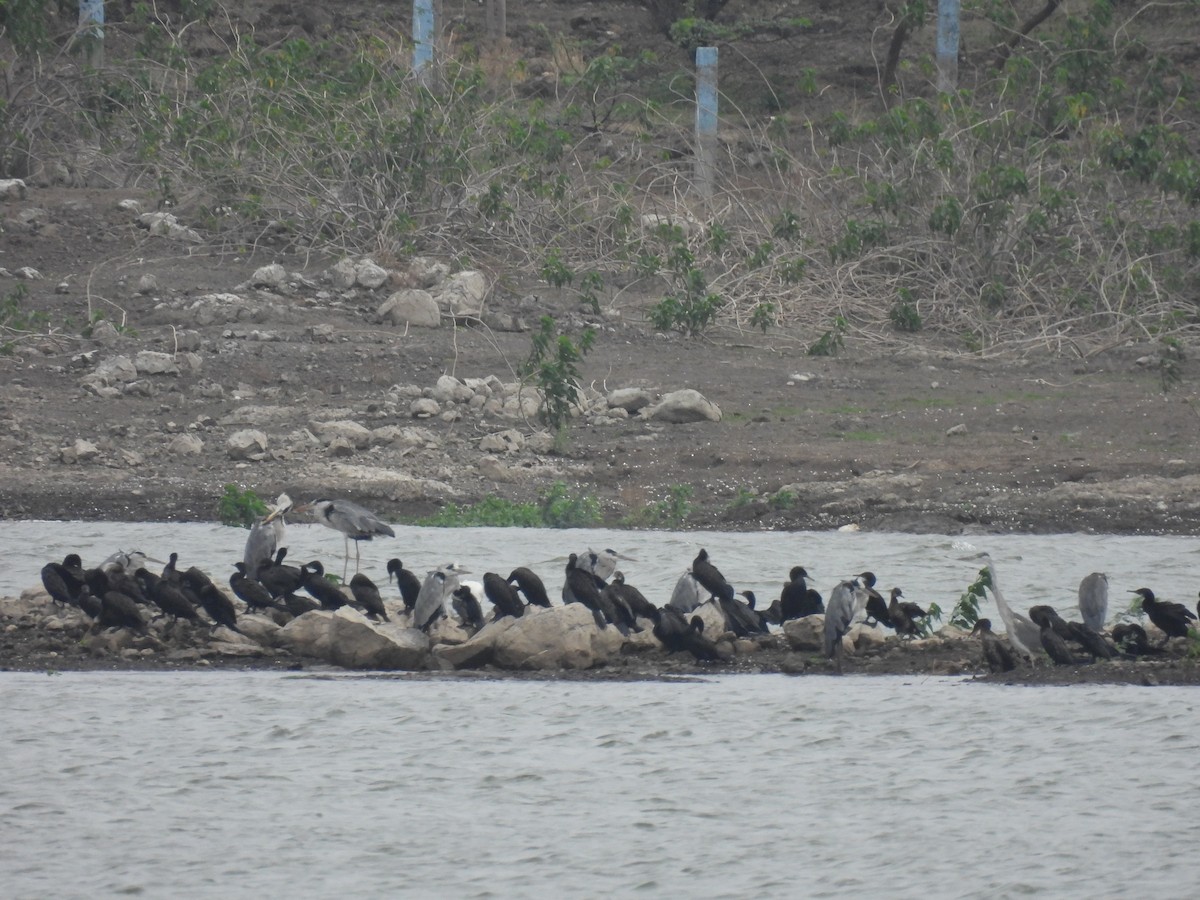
{"points": [[239, 507]]}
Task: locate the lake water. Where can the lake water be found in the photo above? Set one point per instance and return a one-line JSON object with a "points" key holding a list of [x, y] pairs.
{"points": [[250, 785], [264, 784]]}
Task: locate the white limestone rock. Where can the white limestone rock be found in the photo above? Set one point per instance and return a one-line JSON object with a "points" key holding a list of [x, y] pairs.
{"points": [[413, 307], [679, 407], [462, 295], [248, 444]]}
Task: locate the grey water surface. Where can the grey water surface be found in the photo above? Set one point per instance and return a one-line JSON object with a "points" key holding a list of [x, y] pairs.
{"points": [[263, 784]]}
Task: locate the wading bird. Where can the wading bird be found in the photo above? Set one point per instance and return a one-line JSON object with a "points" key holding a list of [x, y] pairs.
{"points": [[1093, 600], [356, 523]]}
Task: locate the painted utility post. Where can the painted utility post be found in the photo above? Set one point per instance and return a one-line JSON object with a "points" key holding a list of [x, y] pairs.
{"points": [[706, 118], [947, 45], [423, 39], [91, 31]]}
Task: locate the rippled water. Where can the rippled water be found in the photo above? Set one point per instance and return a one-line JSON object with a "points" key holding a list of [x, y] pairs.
{"points": [[236, 785]]}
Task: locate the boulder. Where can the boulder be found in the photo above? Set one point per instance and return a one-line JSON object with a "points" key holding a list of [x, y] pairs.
{"points": [[356, 435], [12, 188], [679, 407], [508, 441], [80, 451], [151, 362], [413, 307], [424, 408], [249, 443], [628, 399], [463, 294], [185, 445], [272, 276], [806, 635], [342, 274], [449, 388], [426, 271], [345, 637], [368, 274], [561, 637], [115, 370]]}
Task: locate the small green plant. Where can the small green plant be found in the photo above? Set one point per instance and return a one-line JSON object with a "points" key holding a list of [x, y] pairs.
{"points": [[553, 365], [763, 316], [784, 500], [563, 508], [933, 618], [16, 319], [966, 611], [239, 508], [555, 272], [833, 341], [559, 507], [590, 285], [904, 313], [690, 307], [672, 511]]}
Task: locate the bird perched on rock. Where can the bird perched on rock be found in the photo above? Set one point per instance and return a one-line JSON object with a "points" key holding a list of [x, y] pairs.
{"points": [[626, 593], [249, 591], [580, 587], [324, 591], [710, 577], [466, 604], [278, 578], [61, 583], [904, 615], [687, 594], [844, 602], [877, 607], [438, 586], [996, 653], [530, 585], [1093, 600], [407, 582], [356, 523], [677, 635], [503, 596], [211, 598], [366, 595], [1052, 642], [1173, 619]]}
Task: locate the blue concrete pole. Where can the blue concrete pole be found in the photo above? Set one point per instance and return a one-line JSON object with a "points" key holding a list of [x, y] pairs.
{"points": [[706, 117], [91, 30], [947, 45], [423, 39]]}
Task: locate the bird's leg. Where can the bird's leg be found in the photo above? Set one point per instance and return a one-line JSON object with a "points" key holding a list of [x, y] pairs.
{"points": [[346, 557], [357, 550]]}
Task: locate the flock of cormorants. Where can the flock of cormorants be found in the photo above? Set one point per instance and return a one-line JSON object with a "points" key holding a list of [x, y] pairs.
{"points": [[122, 592]]}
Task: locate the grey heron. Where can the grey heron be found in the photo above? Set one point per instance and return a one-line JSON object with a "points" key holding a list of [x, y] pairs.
{"points": [[438, 585], [602, 564], [1023, 635], [687, 594], [356, 523], [1093, 600], [1172, 619], [266, 535], [996, 653], [845, 601]]}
